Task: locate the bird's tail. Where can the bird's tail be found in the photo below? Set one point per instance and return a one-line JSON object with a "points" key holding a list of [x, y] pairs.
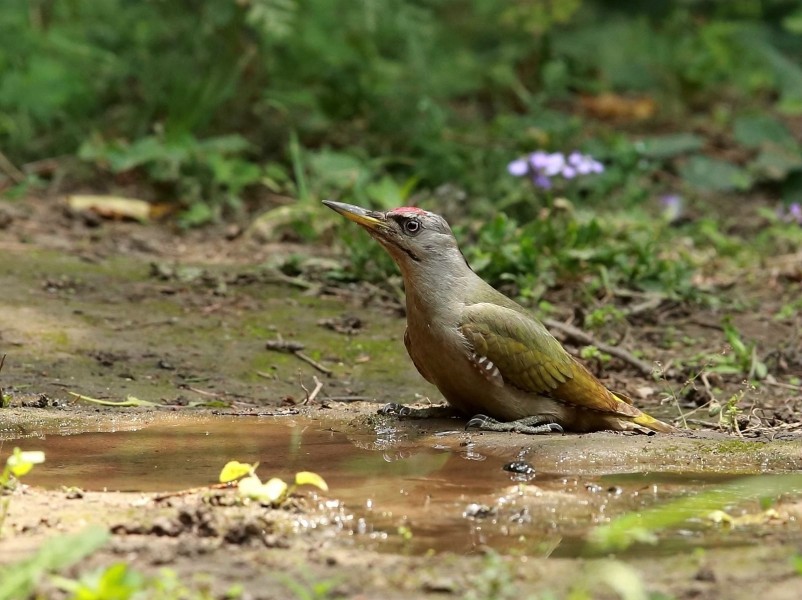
{"points": [[645, 420], [654, 424]]}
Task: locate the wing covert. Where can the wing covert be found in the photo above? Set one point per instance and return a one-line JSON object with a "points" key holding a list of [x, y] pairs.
{"points": [[530, 358]]}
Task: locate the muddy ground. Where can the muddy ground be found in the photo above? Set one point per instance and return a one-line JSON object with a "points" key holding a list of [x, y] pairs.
{"points": [[112, 309]]}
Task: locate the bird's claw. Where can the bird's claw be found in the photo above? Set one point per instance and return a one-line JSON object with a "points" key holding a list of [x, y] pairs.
{"points": [[394, 408], [391, 408], [530, 425], [479, 421]]}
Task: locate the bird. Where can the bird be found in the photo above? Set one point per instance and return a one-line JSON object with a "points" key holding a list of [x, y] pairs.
{"points": [[488, 356]]}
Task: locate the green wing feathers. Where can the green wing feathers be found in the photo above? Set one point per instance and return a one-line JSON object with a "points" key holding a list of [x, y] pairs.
{"points": [[531, 359]]}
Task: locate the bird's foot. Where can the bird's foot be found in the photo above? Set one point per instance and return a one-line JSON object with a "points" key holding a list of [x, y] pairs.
{"points": [[528, 425], [408, 412]]}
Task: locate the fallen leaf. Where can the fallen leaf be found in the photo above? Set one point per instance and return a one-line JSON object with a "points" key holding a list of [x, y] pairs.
{"points": [[310, 478], [611, 106], [128, 402], [235, 469], [111, 207]]}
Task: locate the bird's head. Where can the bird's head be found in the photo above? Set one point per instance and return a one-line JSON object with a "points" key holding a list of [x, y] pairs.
{"points": [[411, 235]]}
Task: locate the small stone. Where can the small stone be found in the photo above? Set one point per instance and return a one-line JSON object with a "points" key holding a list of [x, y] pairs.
{"points": [[478, 511], [520, 467], [440, 586], [705, 574]]}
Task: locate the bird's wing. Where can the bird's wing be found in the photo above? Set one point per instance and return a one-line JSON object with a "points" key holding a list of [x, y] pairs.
{"points": [[420, 369], [528, 357]]}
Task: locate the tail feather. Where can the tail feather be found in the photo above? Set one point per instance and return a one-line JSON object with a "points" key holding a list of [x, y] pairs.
{"points": [[645, 420], [654, 424]]}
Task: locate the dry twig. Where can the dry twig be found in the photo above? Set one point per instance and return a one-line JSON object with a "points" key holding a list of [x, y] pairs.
{"points": [[295, 348], [311, 361], [311, 397]]}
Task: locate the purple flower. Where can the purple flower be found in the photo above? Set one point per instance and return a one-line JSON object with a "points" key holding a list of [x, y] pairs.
{"points": [[542, 166], [672, 207], [518, 167], [584, 164], [542, 181], [794, 214]]}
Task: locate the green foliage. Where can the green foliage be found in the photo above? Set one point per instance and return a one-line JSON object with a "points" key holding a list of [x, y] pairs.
{"points": [[18, 580], [120, 582], [643, 526], [796, 563], [117, 581], [206, 175], [305, 589], [741, 359], [218, 106], [615, 251], [441, 91], [494, 581]]}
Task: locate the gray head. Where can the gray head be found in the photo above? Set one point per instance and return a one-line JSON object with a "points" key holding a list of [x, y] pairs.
{"points": [[412, 236]]}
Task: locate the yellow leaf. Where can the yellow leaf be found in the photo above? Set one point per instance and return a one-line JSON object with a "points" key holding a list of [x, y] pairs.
{"points": [[309, 478], [250, 486], [235, 469], [20, 463], [272, 492], [111, 207], [275, 490], [719, 516]]}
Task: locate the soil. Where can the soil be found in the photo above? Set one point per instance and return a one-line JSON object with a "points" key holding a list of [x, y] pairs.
{"points": [[110, 310]]}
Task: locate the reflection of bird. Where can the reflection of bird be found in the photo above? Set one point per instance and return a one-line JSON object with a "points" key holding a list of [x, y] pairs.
{"points": [[485, 353]]}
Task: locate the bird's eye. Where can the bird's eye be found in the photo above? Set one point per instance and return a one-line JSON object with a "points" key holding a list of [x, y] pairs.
{"points": [[412, 226]]}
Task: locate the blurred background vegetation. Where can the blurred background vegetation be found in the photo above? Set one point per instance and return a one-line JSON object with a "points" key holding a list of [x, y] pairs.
{"points": [[227, 109]]}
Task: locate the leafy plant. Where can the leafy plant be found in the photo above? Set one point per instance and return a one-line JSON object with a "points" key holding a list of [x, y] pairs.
{"points": [[742, 359], [614, 252], [18, 580], [120, 582], [643, 526], [19, 464], [207, 175], [275, 492]]}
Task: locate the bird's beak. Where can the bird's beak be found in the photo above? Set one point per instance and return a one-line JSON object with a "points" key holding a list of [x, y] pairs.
{"points": [[369, 219]]}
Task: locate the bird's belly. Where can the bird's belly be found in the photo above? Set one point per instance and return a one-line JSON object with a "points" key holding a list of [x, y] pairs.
{"points": [[448, 367]]}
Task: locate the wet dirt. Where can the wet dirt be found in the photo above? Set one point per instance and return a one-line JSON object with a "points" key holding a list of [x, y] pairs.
{"points": [[453, 490], [415, 508]]}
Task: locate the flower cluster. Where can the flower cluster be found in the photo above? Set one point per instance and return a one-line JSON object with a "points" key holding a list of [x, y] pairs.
{"points": [[793, 214], [542, 166]]}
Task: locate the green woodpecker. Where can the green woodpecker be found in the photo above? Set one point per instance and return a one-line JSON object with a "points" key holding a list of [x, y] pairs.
{"points": [[485, 353]]}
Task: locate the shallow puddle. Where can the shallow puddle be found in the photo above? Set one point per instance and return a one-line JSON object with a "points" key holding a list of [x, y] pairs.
{"points": [[443, 494]]}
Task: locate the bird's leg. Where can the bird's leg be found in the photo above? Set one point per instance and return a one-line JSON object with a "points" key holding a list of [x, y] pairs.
{"points": [[429, 412], [529, 425]]}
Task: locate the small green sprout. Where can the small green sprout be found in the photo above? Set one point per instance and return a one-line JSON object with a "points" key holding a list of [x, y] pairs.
{"points": [[18, 464], [593, 353], [275, 491], [796, 563], [405, 532]]}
